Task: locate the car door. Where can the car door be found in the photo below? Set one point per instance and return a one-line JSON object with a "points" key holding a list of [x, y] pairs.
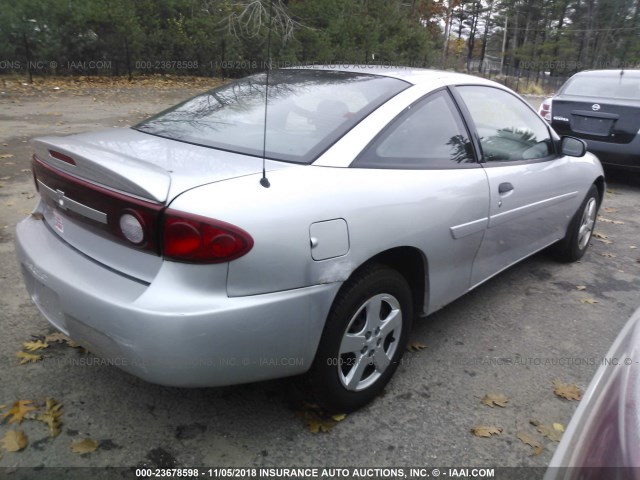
{"points": [[425, 159], [532, 193]]}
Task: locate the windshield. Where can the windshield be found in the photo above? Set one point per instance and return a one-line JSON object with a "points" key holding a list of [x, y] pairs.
{"points": [[614, 86], [308, 110]]}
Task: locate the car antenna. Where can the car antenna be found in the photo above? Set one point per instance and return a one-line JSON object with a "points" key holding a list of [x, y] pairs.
{"points": [[264, 181]]}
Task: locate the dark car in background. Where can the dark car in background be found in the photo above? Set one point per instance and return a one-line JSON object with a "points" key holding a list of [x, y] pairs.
{"points": [[601, 107]]}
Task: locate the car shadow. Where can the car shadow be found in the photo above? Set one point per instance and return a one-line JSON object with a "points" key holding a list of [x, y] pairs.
{"points": [[619, 177]]}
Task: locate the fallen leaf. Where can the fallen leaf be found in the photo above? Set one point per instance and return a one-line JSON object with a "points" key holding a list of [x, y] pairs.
{"points": [[569, 392], [633, 247], [550, 433], [485, 430], [56, 337], [608, 220], [559, 427], [547, 431], [14, 440], [5, 178], [28, 357], [611, 191], [415, 346], [318, 420], [602, 237], [531, 441], [317, 424], [37, 216], [86, 445], [495, 399], [6, 155], [51, 416], [609, 255], [610, 210], [581, 287], [34, 346], [589, 300], [18, 410]]}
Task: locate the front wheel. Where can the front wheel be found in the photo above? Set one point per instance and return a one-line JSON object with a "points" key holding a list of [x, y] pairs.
{"points": [[364, 338], [576, 241]]}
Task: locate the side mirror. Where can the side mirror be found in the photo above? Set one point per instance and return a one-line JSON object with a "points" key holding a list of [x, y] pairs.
{"points": [[572, 146]]}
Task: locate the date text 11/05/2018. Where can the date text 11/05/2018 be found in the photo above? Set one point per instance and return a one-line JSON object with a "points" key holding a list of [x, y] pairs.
{"points": [[328, 473]]}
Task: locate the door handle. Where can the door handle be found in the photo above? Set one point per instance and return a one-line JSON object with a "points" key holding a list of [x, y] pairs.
{"points": [[505, 188]]}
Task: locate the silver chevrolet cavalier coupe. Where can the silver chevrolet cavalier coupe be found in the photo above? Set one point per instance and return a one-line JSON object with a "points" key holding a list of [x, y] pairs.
{"points": [[296, 223]]}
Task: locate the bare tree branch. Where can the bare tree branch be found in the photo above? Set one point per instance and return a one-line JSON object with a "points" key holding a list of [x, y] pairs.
{"points": [[248, 18]]}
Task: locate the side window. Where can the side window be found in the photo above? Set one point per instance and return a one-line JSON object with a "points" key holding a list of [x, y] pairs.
{"points": [[428, 134], [508, 130]]}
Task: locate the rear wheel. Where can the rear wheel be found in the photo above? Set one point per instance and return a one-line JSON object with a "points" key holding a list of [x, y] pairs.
{"points": [[576, 242], [364, 338]]}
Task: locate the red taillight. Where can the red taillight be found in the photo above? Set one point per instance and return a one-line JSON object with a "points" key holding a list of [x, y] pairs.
{"points": [[545, 110], [196, 239], [136, 222]]}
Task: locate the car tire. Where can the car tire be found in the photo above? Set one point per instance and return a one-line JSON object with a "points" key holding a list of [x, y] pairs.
{"points": [[574, 245], [364, 338]]}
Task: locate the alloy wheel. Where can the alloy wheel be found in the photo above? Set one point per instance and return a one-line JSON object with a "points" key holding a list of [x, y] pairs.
{"points": [[370, 342], [587, 222]]}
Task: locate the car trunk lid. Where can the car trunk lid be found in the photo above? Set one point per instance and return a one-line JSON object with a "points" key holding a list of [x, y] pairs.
{"points": [[606, 120], [144, 165], [88, 181]]}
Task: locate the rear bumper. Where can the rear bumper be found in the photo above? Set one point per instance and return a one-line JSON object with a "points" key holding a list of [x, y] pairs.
{"points": [[622, 155], [175, 331]]}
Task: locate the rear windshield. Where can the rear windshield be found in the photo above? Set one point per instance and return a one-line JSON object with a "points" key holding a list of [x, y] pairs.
{"points": [[308, 110], [615, 86]]}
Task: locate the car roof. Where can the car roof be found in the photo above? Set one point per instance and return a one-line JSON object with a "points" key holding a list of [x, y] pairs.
{"points": [[411, 75], [610, 73]]}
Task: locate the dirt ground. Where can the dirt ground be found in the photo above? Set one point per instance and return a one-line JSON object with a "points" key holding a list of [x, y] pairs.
{"points": [[513, 336]]}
